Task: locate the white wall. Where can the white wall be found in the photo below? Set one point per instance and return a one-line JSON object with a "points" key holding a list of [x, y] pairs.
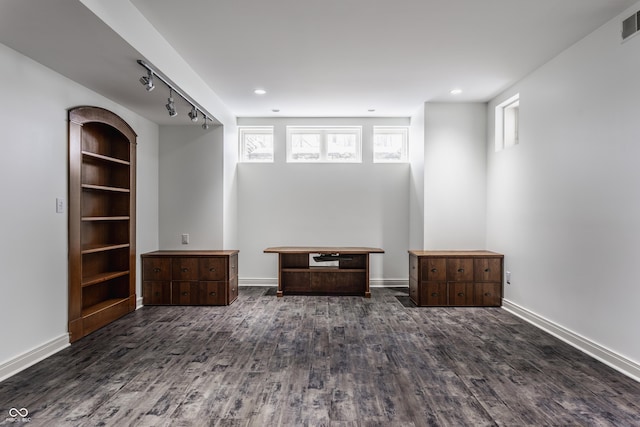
{"points": [[303, 204], [416, 181], [564, 204], [454, 176], [230, 190], [191, 187], [197, 198], [33, 172]]}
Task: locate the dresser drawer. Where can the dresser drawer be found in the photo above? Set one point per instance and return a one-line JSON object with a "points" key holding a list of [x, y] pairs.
{"points": [[413, 267], [213, 268], [433, 293], [184, 269], [413, 291], [487, 269], [212, 293], [460, 269], [488, 294], [156, 268], [433, 269], [156, 293], [185, 293], [461, 293], [233, 289], [233, 266]]}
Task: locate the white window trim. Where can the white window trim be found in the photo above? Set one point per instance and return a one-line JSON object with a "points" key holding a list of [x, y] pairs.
{"points": [[392, 130], [324, 131], [242, 130], [501, 142]]}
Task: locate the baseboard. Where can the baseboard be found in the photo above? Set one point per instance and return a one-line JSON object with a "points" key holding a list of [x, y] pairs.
{"points": [[257, 282], [139, 303], [374, 283], [22, 362], [388, 283], [608, 357]]}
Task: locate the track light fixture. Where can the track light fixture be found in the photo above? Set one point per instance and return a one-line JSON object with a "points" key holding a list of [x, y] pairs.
{"points": [[193, 114], [147, 81], [171, 107]]}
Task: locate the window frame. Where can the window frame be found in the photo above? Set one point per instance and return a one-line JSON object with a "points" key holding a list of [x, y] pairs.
{"points": [[404, 156], [242, 142], [507, 123], [324, 132]]}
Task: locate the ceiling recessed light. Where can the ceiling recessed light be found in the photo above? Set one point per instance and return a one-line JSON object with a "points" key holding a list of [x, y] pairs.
{"points": [[259, 91], [455, 91]]}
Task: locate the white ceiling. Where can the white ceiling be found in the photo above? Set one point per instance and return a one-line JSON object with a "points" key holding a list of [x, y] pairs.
{"points": [[314, 58]]}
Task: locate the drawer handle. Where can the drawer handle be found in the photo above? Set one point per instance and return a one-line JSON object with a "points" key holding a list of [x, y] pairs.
{"points": [[487, 294], [156, 270], [233, 267], [460, 294], [212, 269], [233, 289], [461, 270], [435, 294], [213, 294], [486, 270], [157, 294], [185, 269], [433, 270], [184, 294]]}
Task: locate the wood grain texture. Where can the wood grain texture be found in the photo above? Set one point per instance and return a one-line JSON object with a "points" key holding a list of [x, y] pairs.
{"points": [[323, 250], [190, 277], [455, 253], [102, 218], [321, 361], [297, 277]]}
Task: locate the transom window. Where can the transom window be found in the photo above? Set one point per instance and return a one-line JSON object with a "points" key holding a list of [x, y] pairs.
{"points": [[508, 123], [340, 144], [390, 144], [256, 143]]}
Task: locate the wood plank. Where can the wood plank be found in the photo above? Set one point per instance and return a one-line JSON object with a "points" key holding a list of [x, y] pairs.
{"points": [[102, 277], [456, 253], [191, 253], [322, 360], [323, 250]]}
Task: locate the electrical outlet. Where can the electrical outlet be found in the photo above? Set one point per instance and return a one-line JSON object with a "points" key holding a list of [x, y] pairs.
{"points": [[508, 277], [185, 239], [59, 205]]}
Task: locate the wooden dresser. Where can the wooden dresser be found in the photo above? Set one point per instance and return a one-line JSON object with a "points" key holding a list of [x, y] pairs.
{"points": [[189, 277], [456, 278]]}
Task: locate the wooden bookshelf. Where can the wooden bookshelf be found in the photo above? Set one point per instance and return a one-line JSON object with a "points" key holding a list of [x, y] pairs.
{"points": [[102, 258]]}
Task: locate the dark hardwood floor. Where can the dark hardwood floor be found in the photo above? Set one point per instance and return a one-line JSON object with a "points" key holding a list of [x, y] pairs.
{"points": [[320, 361]]}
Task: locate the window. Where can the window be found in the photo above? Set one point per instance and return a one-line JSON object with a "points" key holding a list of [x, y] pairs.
{"points": [[341, 144], [256, 144], [390, 144], [507, 123]]}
